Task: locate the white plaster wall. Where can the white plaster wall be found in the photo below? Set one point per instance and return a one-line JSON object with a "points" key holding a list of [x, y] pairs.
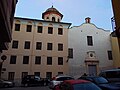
{"points": [[77, 39]]}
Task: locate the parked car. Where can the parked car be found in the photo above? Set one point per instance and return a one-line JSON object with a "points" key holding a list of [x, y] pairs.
{"points": [[112, 75], [58, 79], [77, 85], [6, 83], [31, 80], [101, 82], [45, 81]]}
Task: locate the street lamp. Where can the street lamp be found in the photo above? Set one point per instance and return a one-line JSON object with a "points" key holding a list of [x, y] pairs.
{"points": [[3, 58]]}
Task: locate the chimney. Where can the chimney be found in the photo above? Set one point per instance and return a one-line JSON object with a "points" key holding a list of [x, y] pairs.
{"points": [[87, 20]]}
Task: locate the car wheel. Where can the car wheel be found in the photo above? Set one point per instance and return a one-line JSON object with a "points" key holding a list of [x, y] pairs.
{"points": [[54, 88], [6, 85], [26, 85]]}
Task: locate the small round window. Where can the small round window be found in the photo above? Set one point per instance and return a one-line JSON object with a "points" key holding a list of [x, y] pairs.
{"points": [[91, 55]]}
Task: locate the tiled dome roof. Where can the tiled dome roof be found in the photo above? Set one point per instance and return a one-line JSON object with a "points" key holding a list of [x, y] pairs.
{"points": [[52, 10]]}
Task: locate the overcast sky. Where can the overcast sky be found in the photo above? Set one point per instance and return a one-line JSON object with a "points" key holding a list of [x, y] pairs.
{"points": [[74, 11]]}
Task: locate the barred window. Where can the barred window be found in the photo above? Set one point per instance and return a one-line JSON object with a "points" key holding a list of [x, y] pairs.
{"points": [[38, 60], [40, 28], [27, 45], [17, 27], [89, 40], [13, 59], [25, 59], [60, 47], [38, 45], [49, 46], [60, 60], [110, 57], [15, 44], [50, 30], [70, 53], [49, 60], [60, 31], [29, 28]]}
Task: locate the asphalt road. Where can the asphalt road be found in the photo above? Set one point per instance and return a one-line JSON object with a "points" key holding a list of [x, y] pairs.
{"points": [[27, 88]]}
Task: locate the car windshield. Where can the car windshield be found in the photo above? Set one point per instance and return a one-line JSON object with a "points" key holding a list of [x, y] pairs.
{"points": [[36, 77], [86, 86], [2, 80], [64, 78], [100, 80]]}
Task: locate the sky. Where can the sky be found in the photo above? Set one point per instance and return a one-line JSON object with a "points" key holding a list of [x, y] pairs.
{"points": [[74, 11]]}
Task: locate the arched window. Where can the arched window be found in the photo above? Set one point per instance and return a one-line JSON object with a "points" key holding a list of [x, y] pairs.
{"points": [[47, 17], [53, 19], [58, 20]]}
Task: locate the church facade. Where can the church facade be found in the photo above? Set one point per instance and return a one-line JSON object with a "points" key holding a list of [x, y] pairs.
{"points": [[91, 48]]}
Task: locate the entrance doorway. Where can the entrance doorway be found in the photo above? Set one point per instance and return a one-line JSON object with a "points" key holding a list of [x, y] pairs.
{"points": [[92, 70]]}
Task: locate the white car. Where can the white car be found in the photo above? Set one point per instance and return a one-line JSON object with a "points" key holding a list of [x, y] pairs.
{"points": [[6, 83], [58, 79]]}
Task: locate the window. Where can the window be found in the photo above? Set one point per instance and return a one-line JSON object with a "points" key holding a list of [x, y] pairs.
{"points": [[60, 60], [58, 20], [49, 75], [37, 74], [50, 30], [38, 45], [70, 53], [17, 27], [24, 74], [38, 60], [59, 73], [29, 28], [11, 75], [60, 31], [15, 44], [49, 60], [47, 17], [39, 30], [13, 59], [110, 55], [89, 41], [49, 46], [25, 59], [60, 47], [27, 45], [53, 19]]}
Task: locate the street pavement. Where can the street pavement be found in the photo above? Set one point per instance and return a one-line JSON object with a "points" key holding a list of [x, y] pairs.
{"points": [[27, 88]]}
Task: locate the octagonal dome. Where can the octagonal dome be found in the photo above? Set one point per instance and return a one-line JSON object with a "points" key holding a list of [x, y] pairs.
{"points": [[52, 11]]}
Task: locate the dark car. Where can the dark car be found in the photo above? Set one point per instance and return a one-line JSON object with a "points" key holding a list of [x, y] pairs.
{"points": [[31, 80], [77, 85], [6, 83], [101, 82], [112, 75]]}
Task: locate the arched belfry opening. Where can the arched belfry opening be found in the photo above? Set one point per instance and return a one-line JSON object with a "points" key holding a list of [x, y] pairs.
{"points": [[52, 14], [53, 19]]}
